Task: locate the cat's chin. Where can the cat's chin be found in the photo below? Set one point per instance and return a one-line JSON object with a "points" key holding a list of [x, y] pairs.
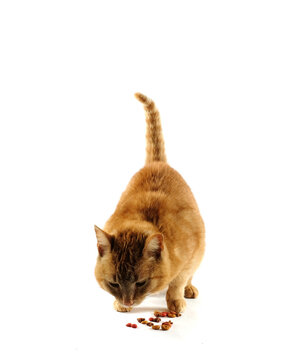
{"points": [[120, 307]]}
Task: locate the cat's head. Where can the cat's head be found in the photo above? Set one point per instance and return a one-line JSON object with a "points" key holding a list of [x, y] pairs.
{"points": [[129, 265]]}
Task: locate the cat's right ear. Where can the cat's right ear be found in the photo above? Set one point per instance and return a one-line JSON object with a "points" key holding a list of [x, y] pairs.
{"points": [[103, 241]]}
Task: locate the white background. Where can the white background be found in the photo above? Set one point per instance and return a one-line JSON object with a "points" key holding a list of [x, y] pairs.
{"points": [[72, 135]]}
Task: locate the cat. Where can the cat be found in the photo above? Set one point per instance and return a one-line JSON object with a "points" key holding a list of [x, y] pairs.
{"points": [[155, 239]]}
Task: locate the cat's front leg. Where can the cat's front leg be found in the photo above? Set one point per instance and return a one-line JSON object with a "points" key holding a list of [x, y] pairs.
{"points": [[121, 308], [174, 296], [191, 292]]}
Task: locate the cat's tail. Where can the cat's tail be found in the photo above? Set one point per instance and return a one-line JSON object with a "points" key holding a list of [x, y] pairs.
{"points": [[155, 149]]}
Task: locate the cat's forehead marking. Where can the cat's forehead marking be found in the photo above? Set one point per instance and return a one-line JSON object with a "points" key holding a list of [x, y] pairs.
{"points": [[126, 254]]}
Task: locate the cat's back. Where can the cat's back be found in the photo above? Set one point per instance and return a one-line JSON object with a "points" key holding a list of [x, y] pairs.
{"points": [[157, 181]]}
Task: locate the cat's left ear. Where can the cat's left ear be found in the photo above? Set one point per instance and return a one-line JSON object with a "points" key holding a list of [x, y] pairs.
{"points": [[154, 245], [103, 241]]}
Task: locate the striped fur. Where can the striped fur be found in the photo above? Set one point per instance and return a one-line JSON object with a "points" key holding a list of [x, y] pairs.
{"points": [[155, 149]]}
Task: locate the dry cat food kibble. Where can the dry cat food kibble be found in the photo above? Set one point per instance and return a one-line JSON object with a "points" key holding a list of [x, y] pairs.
{"points": [[157, 313], [157, 319], [166, 325], [168, 322], [134, 326], [156, 327], [174, 313], [170, 315]]}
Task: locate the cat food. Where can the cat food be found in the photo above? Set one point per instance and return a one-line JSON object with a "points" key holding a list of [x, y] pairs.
{"points": [[134, 326], [168, 322], [174, 313], [157, 319], [166, 326], [171, 315], [156, 327], [157, 313]]}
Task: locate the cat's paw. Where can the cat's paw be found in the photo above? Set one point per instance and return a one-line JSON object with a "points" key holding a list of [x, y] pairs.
{"points": [[178, 305], [191, 292], [119, 307]]}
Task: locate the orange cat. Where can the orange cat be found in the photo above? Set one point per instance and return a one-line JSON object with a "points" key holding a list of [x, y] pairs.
{"points": [[156, 237]]}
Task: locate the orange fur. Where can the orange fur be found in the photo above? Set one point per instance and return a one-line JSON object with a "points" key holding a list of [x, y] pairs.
{"points": [[156, 234]]}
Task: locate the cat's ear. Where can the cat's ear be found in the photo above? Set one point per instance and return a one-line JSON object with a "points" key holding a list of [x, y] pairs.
{"points": [[103, 241], [154, 246]]}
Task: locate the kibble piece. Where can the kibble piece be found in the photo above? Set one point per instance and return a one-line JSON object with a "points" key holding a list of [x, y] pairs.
{"points": [[149, 324], [144, 322], [140, 319], [174, 313], [157, 313], [171, 315], [151, 319], [164, 314], [156, 327], [166, 326], [128, 325], [170, 323], [134, 326], [157, 319]]}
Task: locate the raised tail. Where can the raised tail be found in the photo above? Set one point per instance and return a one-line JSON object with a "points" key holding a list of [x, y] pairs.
{"points": [[155, 149]]}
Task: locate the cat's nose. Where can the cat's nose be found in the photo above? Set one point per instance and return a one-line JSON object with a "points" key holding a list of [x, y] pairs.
{"points": [[128, 302]]}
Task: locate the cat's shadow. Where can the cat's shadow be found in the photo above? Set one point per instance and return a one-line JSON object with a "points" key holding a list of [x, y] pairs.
{"points": [[147, 309]]}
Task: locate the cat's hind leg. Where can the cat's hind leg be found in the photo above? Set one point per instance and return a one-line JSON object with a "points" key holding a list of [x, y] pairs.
{"points": [[190, 291]]}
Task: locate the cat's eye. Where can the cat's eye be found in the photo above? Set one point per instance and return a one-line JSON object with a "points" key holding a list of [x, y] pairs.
{"points": [[141, 283], [114, 285]]}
